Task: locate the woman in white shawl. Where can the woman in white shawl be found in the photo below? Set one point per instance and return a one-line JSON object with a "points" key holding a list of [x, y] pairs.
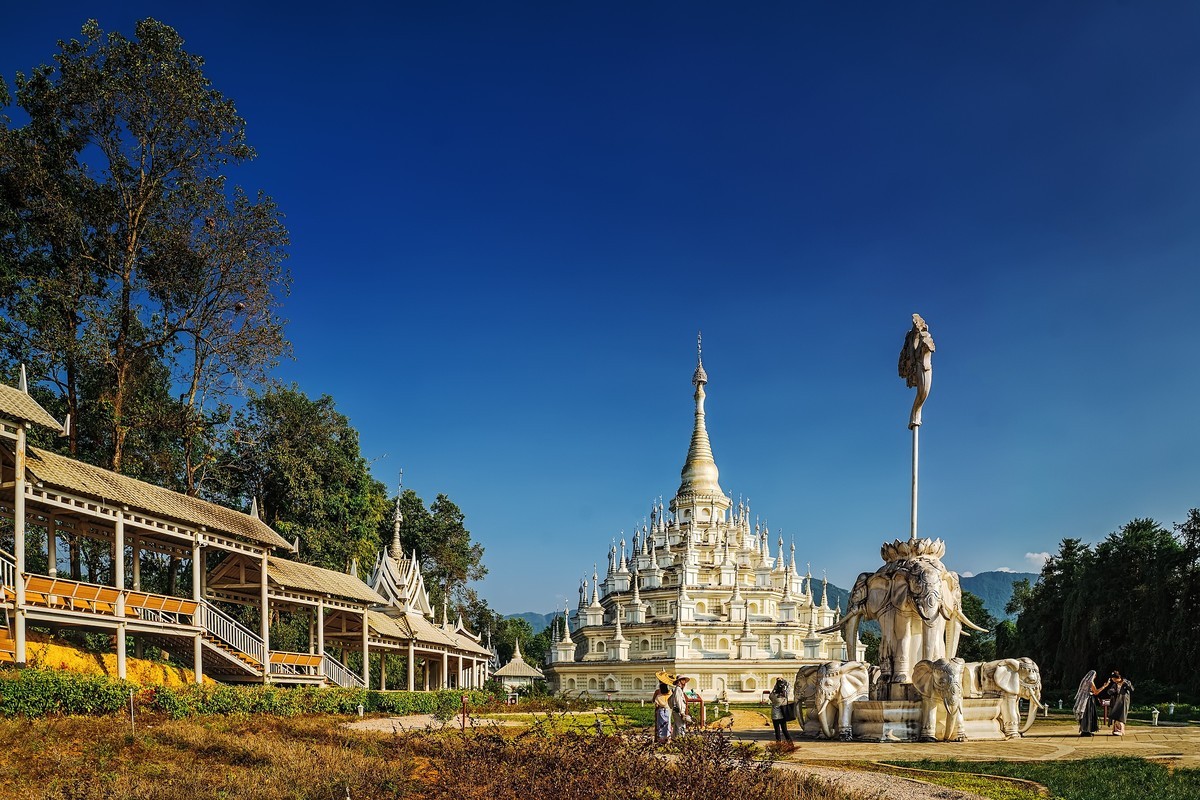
{"points": [[1085, 704]]}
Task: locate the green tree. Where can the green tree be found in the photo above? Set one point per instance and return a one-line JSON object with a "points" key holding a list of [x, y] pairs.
{"points": [[1187, 583], [508, 633], [449, 558], [123, 247], [1006, 639], [870, 640], [977, 646], [300, 458]]}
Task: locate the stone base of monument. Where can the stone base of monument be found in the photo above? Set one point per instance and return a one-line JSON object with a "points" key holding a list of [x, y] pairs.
{"points": [[900, 720]]}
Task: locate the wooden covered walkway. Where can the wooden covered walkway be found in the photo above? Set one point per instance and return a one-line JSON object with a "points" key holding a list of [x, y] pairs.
{"points": [[49, 499]]}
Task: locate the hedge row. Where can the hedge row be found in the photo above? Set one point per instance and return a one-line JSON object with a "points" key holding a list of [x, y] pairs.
{"points": [[38, 693]]}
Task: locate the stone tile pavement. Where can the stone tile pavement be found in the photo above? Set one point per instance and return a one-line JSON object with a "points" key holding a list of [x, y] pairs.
{"points": [[1048, 740]]}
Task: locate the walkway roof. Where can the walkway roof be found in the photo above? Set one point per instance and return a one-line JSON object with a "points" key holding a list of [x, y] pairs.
{"points": [[106, 486]]}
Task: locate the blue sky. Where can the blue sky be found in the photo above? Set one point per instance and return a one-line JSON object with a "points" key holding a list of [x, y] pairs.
{"points": [[509, 220]]}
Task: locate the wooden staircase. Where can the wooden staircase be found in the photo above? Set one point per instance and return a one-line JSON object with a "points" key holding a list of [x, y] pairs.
{"points": [[8, 645]]}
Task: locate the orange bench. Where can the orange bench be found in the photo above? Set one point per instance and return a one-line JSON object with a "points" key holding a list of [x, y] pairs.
{"points": [[296, 659]]}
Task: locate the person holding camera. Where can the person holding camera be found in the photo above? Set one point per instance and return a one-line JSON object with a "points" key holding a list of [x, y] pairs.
{"points": [[780, 706], [1119, 692]]}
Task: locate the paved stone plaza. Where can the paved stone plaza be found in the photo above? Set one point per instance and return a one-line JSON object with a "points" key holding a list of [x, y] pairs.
{"points": [[1048, 741]]}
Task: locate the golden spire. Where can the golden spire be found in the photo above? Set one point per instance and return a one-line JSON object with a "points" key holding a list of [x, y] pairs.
{"points": [[699, 474]]}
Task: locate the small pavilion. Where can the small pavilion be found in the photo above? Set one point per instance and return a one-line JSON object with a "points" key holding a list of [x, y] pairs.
{"points": [[517, 673]]}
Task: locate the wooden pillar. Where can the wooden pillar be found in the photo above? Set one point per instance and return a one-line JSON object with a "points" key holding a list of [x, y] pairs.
{"points": [[425, 674], [412, 666], [19, 541], [136, 547], [366, 653], [198, 657], [264, 606], [445, 671], [321, 633], [198, 596], [119, 583], [52, 549], [197, 569], [383, 671], [312, 633]]}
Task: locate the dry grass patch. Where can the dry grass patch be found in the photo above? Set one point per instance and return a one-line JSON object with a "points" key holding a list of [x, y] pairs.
{"points": [[316, 758]]}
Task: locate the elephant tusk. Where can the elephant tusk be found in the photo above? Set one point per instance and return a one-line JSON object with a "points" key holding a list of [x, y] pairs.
{"points": [[970, 624], [842, 623]]}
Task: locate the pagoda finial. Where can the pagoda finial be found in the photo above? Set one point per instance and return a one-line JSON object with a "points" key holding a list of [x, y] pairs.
{"points": [[824, 590], [397, 518], [699, 474], [24, 384], [517, 650], [254, 507], [566, 626]]}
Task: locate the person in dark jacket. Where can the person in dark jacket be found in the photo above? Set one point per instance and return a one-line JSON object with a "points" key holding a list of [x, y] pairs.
{"points": [[779, 704], [1119, 692]]}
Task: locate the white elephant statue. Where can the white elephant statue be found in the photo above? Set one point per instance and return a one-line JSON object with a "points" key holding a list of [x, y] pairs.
{"points": [[829, 691], [918, 604], [940, 682], [1010, 679]]}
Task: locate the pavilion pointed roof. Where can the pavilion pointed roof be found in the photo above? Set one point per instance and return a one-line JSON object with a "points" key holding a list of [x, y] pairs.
{"points": [[517, 667], [19, 406]]}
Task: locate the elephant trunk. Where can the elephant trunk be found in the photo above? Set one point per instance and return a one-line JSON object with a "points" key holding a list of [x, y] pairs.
{"points": [[1034, 702], [824, 699]]}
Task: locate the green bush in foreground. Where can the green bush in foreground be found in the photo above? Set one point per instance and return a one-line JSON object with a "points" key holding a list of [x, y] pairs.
{"points": [[39, 693]]}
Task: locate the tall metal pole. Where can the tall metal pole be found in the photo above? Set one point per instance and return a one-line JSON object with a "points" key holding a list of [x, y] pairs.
{"points": [[912, 528]]}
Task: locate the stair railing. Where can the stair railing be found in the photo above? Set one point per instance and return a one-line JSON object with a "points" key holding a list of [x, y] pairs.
{"points": [[231, 633], [8, 569], [336, 671]]}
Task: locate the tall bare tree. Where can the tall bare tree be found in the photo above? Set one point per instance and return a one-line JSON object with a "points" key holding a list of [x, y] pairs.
{"points": [[116, 209]]}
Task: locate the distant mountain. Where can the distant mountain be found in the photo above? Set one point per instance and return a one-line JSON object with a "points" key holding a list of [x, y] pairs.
{"points": [[995, 589], [538, 622]]}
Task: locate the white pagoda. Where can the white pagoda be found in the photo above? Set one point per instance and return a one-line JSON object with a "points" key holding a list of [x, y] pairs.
{"points": [[700, 592]]}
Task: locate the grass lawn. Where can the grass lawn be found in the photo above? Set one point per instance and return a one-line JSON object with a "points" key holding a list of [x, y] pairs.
{"points": [[582, 722], [1110, 778]]}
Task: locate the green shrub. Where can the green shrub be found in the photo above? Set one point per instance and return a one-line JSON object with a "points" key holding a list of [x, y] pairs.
{"points": [[38, 693]]}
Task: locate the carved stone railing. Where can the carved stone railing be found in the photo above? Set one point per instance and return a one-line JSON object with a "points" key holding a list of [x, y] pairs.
{"points": [[337, 672], [231, 633]]}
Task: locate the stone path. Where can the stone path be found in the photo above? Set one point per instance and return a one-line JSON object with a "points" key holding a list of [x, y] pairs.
{"points": [[1048, 741]]}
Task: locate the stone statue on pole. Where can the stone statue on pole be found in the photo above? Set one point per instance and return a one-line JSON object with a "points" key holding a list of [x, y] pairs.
{"points": [[916, 367]]}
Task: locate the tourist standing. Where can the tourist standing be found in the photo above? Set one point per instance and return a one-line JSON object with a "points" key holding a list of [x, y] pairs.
{"points": [[779, 707], [679, 717], [662, 713], [1085, 704], [1119, 692]]}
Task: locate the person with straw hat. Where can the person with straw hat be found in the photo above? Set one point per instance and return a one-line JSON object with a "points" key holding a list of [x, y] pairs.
{"points": [[662, 707], [680, 718]]}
